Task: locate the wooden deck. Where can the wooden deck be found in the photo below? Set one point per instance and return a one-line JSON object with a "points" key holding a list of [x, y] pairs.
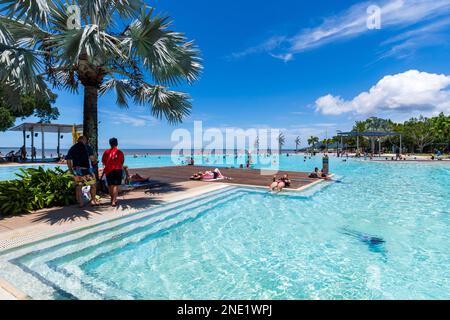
{"points": [[248, 177]]}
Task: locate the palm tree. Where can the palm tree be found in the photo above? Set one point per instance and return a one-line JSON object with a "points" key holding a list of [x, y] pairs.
{"points": [[118, 45], [298, 141], [326, 142], [312, 141], [281, 141]]}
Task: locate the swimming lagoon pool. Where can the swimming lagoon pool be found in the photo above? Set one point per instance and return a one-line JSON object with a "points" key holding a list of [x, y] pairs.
{"points": [[241, 243], [151, 161]]}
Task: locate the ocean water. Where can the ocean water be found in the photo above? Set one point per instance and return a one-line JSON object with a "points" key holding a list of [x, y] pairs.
{"points": [[380, 231]]}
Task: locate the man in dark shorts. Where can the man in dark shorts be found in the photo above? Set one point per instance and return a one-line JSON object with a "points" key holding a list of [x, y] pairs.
{"points": [[113, 160], [79, 160]]}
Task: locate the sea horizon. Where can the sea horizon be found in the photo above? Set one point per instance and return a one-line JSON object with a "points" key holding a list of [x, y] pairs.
{"points": [[51, 152]]}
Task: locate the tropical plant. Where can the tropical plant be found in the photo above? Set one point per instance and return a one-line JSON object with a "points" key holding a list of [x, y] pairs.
{"points": [[71, 43], [312, 141], [14, 198], [298, 142], [36, 189], [327, 142]]}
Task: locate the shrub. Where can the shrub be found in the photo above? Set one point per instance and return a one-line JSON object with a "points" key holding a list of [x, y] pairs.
{"points": [[36, 189]]}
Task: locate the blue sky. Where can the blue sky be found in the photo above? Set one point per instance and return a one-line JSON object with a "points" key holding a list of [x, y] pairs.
{"points": [[305, 67]]}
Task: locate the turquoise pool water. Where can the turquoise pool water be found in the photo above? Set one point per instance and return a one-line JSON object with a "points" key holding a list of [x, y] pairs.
{"points": [[241, 243], [9, 172]]}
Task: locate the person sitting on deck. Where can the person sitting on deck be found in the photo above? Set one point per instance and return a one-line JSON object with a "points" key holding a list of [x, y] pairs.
{"points": [[286, 180], [324, 176], [316, 174]]}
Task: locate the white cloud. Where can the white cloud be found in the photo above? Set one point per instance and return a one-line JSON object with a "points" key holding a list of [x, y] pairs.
{"points": [[268, 45], [135, 120], [406, 92], [406, 43], [353, 23]]}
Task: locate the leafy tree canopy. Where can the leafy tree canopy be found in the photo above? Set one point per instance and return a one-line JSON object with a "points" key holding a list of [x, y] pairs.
{"points": [[27, 105]]}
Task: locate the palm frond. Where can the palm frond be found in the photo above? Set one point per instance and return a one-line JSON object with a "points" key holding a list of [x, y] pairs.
{"points": [[63, 77], [123, 89], [21, 33], [5, 34], [36, 44], [31, 10], [97, 44], [19, 67], [166, 54], [172, 105], [103, 12]]}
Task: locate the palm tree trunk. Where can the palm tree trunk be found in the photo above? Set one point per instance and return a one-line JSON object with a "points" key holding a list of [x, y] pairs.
{"points": [[90, 117]]}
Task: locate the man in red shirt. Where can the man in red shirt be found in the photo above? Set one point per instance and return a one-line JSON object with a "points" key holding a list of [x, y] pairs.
{"points": [[113, 160]]}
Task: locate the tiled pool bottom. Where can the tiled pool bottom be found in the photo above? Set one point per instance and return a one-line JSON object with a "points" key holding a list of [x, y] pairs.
{"points": [[235, 243]]}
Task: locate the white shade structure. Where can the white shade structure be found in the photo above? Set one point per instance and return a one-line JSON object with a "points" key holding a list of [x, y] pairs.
{"points": [[43, 128]]}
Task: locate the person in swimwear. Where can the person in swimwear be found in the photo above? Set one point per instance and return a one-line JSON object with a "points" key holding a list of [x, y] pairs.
{"points": [[198, 176], [280, 184], [130, 178], [208, 175], [316, 174]]}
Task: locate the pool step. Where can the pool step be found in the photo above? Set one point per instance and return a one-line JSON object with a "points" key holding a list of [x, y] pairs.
{"points": [[71, 276]]}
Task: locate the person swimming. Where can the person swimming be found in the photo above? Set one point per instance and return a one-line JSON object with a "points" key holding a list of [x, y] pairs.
{"points": [[375, 243]]}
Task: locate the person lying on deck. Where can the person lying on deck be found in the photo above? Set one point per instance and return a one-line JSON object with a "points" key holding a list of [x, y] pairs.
{"points": [[280, 184], [208, 175], [130, 178]]}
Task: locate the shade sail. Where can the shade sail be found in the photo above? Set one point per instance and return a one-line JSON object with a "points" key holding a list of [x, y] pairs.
{"points": [[368, 134], [46, 127]]}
